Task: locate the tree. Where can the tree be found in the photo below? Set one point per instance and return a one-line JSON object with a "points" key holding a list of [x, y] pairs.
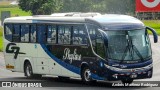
{"points": [[120, 6], [83, 6], [103, 6], [41, 7]]}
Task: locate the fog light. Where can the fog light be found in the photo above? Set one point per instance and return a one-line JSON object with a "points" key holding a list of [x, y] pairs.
{"points": [[115, 76]]}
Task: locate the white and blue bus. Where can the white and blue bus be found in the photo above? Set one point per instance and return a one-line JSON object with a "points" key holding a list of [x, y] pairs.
{"points": [[90, 46]]}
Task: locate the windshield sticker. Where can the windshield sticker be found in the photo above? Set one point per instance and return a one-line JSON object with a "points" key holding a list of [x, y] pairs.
{"points": [[71, 57]]}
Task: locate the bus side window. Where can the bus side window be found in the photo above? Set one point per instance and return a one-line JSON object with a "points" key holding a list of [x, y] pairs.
{"points": [[16, 33], [24, 33], [42, 35], [8, 32], [64, 34], [79, 36], [51, 35], [92, 32], [33, 34]]}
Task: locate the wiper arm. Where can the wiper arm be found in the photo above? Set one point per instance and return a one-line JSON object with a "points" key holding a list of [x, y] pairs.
{"points": [[128, 48], [131, 48], [138, 53]]}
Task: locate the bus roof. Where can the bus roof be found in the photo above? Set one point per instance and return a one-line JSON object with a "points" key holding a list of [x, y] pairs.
{"points": [[107, 21]]}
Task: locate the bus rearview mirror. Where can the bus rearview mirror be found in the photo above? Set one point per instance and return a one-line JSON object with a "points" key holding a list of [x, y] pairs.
{"points": [[155, 36]]}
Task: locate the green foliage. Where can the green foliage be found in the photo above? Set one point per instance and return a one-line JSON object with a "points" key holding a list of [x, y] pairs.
{"points": [[15, 11], [41, 7], [103, 6], [155, 24], [120, 6], [1, 31], [1, 39], [1, 43], [83, 5]]}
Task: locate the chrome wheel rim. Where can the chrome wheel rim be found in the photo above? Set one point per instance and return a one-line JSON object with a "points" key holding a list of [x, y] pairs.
{"points": [[87, 75], [28, 71]]}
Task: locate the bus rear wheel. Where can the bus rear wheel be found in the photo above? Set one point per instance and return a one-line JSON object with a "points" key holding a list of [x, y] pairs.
{"points": [[28, 71]]}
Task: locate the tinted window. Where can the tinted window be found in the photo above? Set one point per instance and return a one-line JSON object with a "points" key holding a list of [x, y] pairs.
{"points": [[24, 33], [97, 40], [8, 32], [42, 33], [51, 34], [33, 33], [79, 35], [16, 33], [92, 32], [64, 34]]}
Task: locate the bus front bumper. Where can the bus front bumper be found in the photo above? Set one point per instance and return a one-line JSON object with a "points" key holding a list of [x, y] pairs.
{"points": [[113, 76]]}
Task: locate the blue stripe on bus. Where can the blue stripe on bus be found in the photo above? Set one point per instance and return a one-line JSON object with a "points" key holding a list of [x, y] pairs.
{"points": [[65, 65], [68, 66]]}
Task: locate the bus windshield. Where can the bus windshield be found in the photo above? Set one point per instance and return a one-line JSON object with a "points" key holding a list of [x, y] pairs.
{"points": [[131, 45]]}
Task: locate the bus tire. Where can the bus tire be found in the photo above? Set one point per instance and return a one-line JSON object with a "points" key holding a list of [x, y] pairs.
{"points": [[86, 75], [128, 81], [28, 71]]}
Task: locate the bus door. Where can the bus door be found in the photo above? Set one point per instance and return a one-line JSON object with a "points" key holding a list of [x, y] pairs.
{"points": [[97, 45], [54, 67], [42, 58]]}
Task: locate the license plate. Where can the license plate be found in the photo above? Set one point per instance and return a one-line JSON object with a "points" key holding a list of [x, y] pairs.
{"points": [[133, 76]]}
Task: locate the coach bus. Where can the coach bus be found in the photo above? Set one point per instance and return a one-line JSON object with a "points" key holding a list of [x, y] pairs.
{"points": [[90, 46]]}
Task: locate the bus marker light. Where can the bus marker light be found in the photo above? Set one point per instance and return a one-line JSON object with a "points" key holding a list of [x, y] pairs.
{"points": [[9, 66]]}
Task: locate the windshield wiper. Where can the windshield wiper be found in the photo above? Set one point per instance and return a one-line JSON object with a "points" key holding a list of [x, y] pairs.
{"points": [[131, 49]]}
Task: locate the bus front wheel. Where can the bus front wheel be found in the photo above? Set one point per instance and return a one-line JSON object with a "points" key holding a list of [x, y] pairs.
{"points": [[28, 71], [86, 75]]}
